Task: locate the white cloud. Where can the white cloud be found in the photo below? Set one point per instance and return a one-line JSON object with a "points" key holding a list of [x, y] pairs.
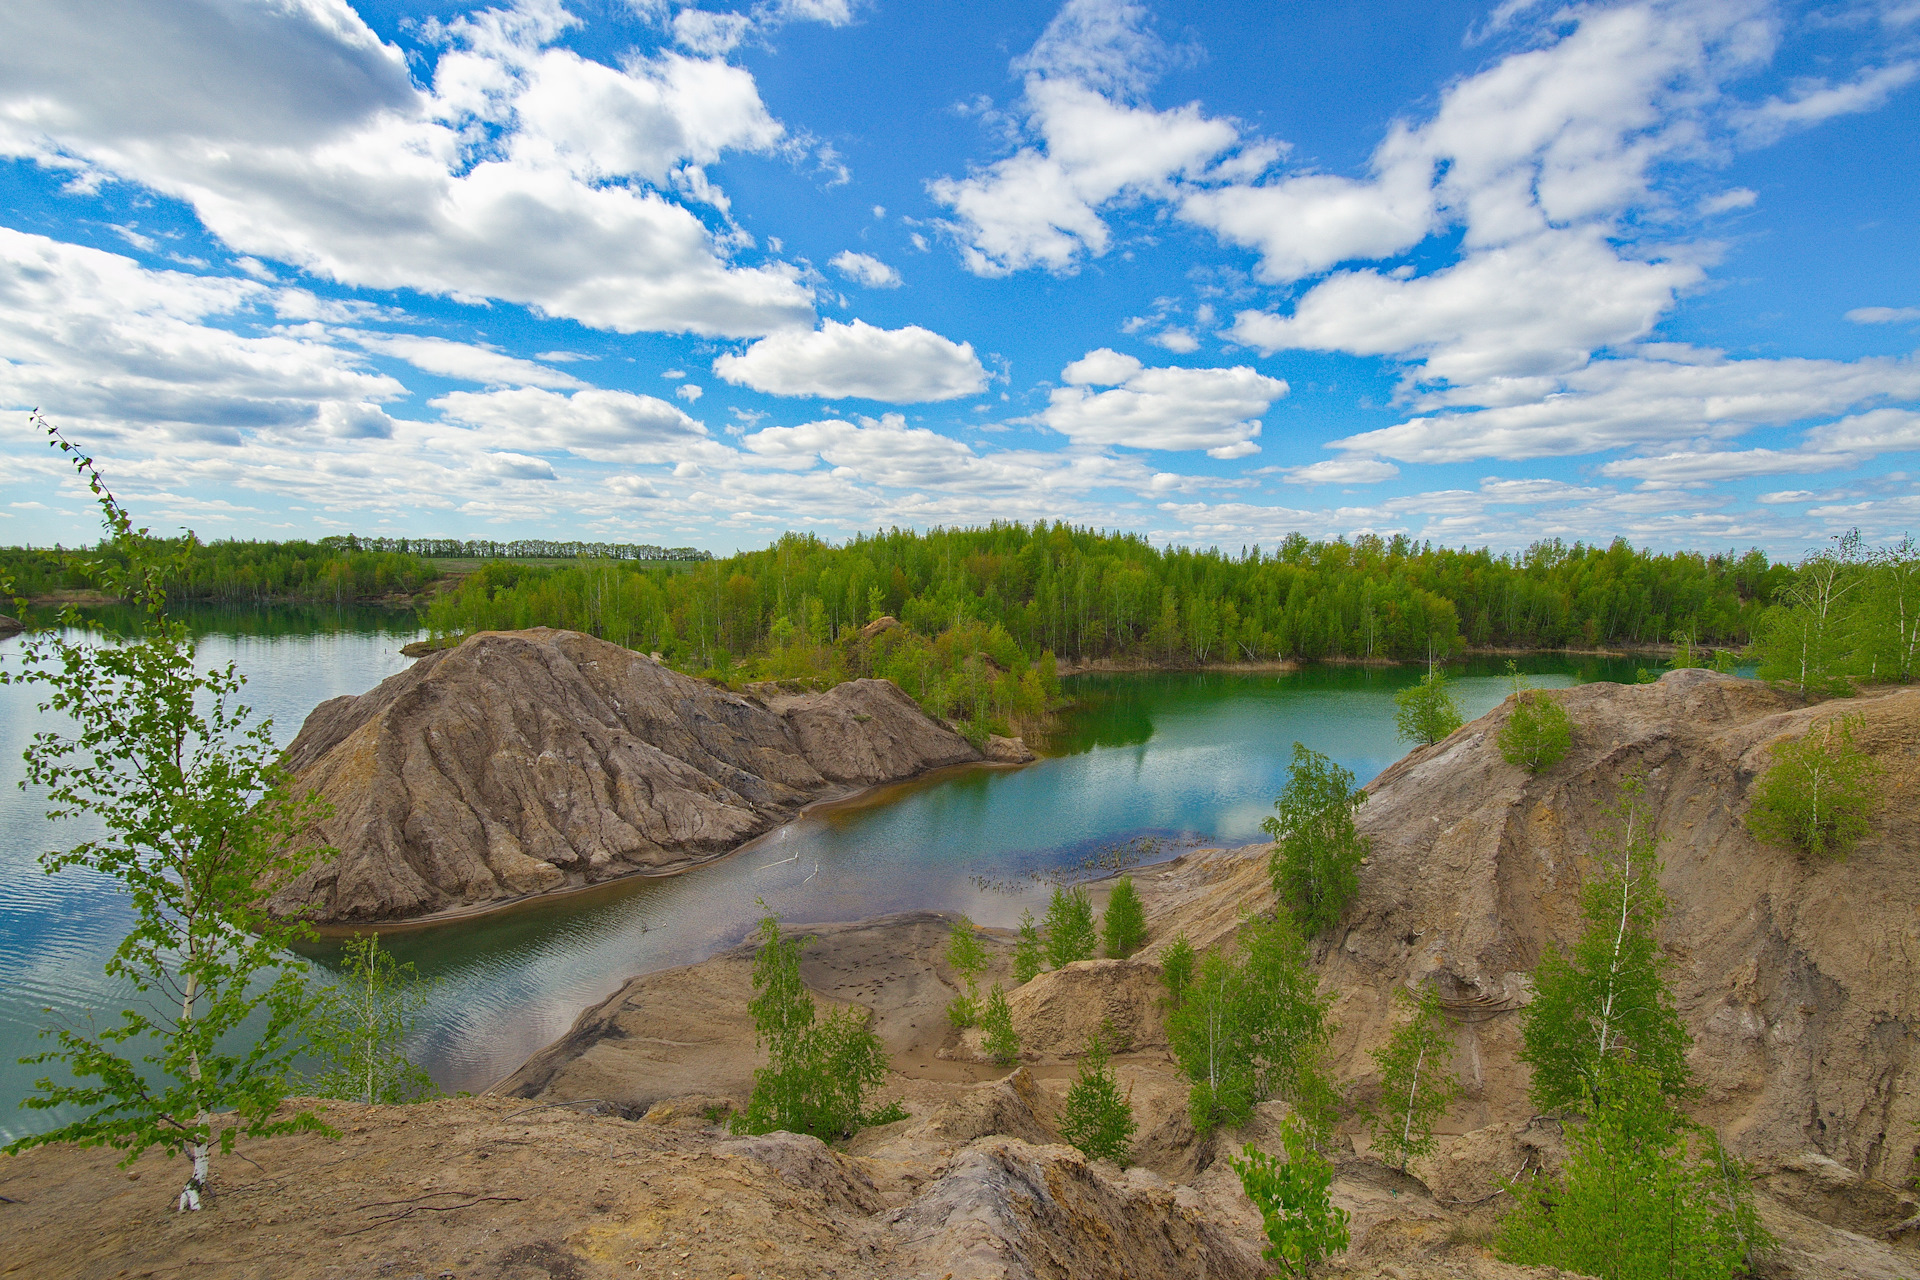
{"points": [[1881, 431], [1683, 396], [1538, 306], [1302, 225], [1733, 464], [1883, 315], [1726, 201], [688, 392], [1179, 341], [1217, 410], [604, 426], [900, 366], [710, 34], [105, 343], [865, 269], [1343, 471], [461, 360], [1815, 101], [527, 173], [1094, 145]]}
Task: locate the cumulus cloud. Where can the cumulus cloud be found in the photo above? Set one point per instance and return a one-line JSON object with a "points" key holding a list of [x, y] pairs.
{"points": [[604, 426], [1542, 305], [900, 366], [1217, 410], [1883, 315], [865, 269], [1685, 396], [525, 172], [97, 339], [1094, 143]]}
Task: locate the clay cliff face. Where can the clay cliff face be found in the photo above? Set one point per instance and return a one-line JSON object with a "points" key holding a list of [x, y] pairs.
{"points": [[1799, 978], [524, 762]]}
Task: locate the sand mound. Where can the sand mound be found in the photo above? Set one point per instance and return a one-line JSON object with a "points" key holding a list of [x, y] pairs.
{"points": [[1057, 1012], [522, 762]]}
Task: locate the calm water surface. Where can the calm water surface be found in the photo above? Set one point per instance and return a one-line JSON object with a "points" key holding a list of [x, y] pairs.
{"points": [[1146, 763]]}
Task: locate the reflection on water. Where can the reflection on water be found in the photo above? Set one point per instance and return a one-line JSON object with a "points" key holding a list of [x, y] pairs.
{"points": [[1170, 755], [1195, 755]]}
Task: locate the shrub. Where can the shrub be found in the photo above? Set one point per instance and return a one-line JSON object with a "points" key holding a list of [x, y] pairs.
{"points": [[1416, 1086], [1070, 933], [1643, 1195], [1819, 793], [1537, 734], [1295, 1201], [1424, 713], [1097, 1118], [818, 1073], [1026, 952], [1124, 926], [1317, 851], [1176, 969], [1000, 1040]]}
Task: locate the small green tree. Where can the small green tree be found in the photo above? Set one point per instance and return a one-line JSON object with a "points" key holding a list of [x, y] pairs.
{"points": [[200, 825], [1644, 1195], [1026, 951], [1424, 713], [1416, 1086], [966, 957], [818, 1072], [1317, 850], [1806, 639], [999, 1039], [1176, 969], [1069, 926], [1608, 998], [1123, 927], [1252, 1028], [358, 1029], [1819, 794], [1098, 1119], [1295, 1200], [1538, 734]]}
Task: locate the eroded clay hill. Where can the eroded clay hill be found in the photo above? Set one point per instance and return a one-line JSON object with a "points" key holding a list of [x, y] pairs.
{"points": [[522, 762], [1798, 978]]}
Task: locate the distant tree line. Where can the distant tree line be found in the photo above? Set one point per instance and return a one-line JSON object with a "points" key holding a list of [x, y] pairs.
{"points": [[235, 572], [1081, 594], [518, 549]]}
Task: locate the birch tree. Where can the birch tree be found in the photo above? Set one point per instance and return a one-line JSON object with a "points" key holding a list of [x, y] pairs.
{"points": [[199, 824], [358, 1029], [1317, 850], [1417, 1083], [1608, 998]]}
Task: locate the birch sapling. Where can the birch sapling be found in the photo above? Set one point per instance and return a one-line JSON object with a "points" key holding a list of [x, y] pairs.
{"points": [[199, 824]]}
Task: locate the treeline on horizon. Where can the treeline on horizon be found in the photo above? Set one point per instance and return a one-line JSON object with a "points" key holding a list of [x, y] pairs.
{"points": [[986, 613], [340, 569]]}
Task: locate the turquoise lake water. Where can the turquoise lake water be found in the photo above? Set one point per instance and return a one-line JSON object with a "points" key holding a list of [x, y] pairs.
{"points": [[1145, 764]]}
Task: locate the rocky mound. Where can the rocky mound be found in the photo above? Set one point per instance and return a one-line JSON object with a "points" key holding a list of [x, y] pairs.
{"points": [[522, 762], [1798, 978]]}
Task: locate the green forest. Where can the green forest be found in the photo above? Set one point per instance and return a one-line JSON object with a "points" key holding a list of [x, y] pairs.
{"points": [[972, 622]]}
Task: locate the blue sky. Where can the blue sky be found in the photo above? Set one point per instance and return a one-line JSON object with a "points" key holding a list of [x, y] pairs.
{"points": [[641, 271]]}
